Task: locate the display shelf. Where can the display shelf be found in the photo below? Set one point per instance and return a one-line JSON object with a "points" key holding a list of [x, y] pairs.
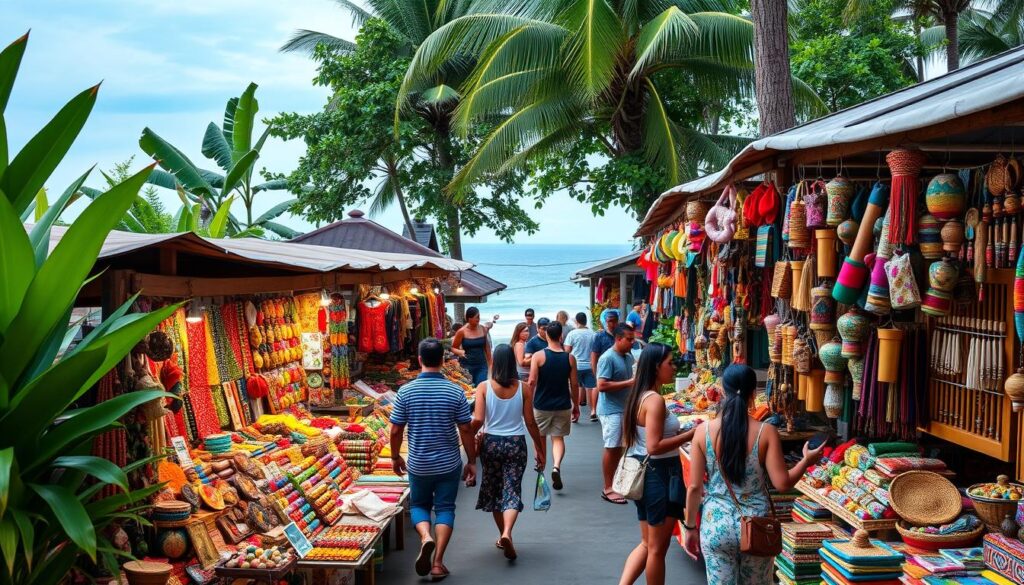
{"points": [[842, 513]]}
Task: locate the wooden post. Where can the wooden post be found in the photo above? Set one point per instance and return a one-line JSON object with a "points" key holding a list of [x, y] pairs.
{"points": [[593, 296], [623, 301]]}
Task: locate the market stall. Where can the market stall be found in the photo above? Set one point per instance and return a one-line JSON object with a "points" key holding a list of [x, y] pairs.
{"points": [[879, 261], [257, 483]]}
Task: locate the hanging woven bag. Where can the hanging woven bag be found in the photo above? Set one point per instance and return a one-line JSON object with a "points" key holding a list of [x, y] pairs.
{"points": [[815, 204], [764, 246], [782, 281], [720, 222], [903, 291]]}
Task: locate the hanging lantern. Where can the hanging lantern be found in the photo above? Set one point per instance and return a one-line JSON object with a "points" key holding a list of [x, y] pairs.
{"points": [[833, 400], [942, 277], [945, 196], [840, 192], [831, 356], [952, 235], [853, 329], [823, 308]]}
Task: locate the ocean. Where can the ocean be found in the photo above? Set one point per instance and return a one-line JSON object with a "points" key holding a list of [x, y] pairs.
{"points": [[537, 276]]}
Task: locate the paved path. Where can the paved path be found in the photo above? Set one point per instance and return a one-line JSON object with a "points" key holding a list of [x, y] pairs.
{"points": [[581, 540]]}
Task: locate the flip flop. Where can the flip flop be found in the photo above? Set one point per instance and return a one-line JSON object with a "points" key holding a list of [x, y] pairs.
{"points": [[508, 547], [497, 544], [620, 500], [425, 559], [593, 418], [439, 576], [556, 478]]}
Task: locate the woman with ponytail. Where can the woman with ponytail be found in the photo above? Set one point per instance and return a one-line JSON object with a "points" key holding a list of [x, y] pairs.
{"points": [[738, 449], [650, 431]]}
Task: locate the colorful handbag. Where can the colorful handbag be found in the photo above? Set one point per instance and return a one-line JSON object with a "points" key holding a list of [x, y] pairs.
{"points": [[903, 291], [763, 251], [816, 202], [720, 223]]}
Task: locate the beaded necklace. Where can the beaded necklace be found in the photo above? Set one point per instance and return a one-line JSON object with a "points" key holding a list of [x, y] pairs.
{"points": [[226, 363]]}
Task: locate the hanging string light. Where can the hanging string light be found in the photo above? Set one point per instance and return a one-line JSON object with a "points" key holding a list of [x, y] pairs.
{"points": [[325, 299], [195, 312]]}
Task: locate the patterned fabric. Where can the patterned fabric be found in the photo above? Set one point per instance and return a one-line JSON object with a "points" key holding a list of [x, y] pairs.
{"points": [[903, 290], [373, 335], [720, 526], [504, 462]]}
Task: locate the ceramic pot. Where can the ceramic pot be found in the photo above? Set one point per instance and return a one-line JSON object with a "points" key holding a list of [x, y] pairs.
{"points": [[833, 400], [889, 341], [840, 192], [952, 236], [942, 275], [823, 308], [853, 328], [831, 356], [826, 253], [945, 196], [1014, 387], [1008, 527]]}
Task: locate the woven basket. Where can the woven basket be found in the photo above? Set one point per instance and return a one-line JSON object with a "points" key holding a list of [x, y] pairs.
{"points": [[937, 541], [902, 161], [782, 281], [147, 572], [924, 498], [992, 511], [998, 179], [799, 235], [696, 210]]}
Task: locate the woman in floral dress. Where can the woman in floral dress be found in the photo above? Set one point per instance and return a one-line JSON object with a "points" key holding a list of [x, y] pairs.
{"points": [[504, 409], [738, 448]]}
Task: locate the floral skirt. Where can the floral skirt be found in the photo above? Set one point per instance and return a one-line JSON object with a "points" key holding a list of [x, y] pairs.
{"points": [[504, 462]]}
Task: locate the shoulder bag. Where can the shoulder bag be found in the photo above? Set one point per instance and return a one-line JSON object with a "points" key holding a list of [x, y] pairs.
{"points": [[629, 474], [760, 536]]}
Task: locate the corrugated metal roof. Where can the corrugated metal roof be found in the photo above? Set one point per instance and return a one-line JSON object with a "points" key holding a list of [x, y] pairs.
{"points": [[969, 90], [626, 263], [298, 257], [425, 234], [361, 233]]}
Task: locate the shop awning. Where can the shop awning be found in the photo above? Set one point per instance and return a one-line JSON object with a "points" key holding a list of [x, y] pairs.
{"points": [[282, 255], [979, 88], [625, 263]]}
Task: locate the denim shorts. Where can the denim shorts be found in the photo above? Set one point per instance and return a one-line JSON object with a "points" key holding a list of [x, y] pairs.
{"points": [[434, 493], [664, 491], [586, 378], [611, 430]]}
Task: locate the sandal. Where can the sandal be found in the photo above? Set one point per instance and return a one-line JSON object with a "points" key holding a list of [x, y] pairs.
{"points": [[556, 478], [497, 544], [439, 573], [425, 559], [508, 547], [593, 418], [616, 500]]}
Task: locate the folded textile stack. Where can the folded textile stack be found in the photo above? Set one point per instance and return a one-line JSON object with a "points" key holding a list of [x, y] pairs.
{"points": [[860, 561], [958, 565], [799, 563], [783, 502], [359, 453], [219, 443], [807, 511]]}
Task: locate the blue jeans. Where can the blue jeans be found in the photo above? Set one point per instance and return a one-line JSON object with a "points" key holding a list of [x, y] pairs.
{"points": [[434, 492]]}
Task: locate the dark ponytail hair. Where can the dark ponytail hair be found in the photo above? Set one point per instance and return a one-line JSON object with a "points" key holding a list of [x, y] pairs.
{"points": [[503, 365], [739, 382], [646, 379]]}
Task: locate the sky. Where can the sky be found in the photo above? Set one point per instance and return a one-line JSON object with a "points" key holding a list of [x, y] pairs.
{"points": [[172, 64]]}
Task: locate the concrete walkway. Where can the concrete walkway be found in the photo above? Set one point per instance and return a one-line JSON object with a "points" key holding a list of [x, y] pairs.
{"points": [[581, 540]]}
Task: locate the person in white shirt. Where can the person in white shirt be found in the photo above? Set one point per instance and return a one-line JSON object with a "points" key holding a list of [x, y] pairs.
{"points": [[579, 343]]}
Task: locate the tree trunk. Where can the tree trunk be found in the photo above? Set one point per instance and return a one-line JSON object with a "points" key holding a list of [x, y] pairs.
{"points": [[400, 196], [919, 60], [452, 221], [773, 83], [952, 41]]}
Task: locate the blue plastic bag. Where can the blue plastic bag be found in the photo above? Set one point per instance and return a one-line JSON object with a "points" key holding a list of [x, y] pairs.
{"points": [[542, 494]]}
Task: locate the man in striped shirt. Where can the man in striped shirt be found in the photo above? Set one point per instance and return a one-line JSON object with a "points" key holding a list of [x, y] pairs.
{"points": [[435, 412]]}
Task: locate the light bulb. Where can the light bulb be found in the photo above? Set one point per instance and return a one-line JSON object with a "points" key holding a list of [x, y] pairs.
{"points": [[385, 295], [437, 290], [415, 290], [195, 313], [459, 288], [325, 299]]}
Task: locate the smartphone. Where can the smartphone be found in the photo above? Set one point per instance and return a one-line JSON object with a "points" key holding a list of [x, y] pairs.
{"points": [[817, 440]]}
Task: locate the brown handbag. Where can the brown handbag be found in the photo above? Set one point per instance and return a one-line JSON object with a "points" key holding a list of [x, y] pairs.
{"points": [[760, 536]]}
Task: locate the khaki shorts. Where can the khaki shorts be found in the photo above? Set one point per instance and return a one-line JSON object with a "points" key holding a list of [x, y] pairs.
{"points": [[555, 423]]}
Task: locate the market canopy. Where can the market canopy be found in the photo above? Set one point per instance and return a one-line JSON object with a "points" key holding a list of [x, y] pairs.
{"points": [[358, 232], [626, 264], [956, 107]]}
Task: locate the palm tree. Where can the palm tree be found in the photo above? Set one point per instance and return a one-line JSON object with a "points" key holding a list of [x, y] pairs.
{"points": [[415, 22], [771, 56], [984, 34], [549, 71], [945, 12]]}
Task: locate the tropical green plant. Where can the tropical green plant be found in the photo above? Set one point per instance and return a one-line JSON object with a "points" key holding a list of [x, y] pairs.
{"points": [[232, 148], [548, 71], [147, 215], [353, 156], [51, 515], [983, 33]]}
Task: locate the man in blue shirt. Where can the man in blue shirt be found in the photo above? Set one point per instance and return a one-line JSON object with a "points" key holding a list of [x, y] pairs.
{"points": [[537, 342], [636, 318], [614, 383], [436, 413], [604, 339]]}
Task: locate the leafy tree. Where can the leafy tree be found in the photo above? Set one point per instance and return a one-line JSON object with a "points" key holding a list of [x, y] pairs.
{"points": [[550, 74], [848, 63], [356, 153], [232, 148]]}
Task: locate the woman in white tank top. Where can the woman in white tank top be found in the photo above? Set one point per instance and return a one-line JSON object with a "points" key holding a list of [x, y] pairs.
{"points": [[503, 408]]}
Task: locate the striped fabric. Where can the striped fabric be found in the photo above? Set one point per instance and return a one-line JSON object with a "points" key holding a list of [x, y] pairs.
{"points": [[431, 407]]}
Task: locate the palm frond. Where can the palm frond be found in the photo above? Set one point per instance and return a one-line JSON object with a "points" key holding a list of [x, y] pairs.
{"points": [[280, 230], [724, 37], [439, 95], [660, 135], [595, 37], [306, 41], [359, 14], [658, 37], [383, 196], [807, 102]]}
